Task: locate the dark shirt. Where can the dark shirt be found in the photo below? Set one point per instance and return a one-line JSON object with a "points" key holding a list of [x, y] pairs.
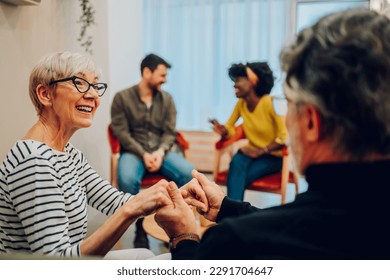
{"points": [[343, 215], [141, 129]]}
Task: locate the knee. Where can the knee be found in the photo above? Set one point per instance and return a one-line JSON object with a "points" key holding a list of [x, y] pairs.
{"points": [[236, 165], [129, 184], [184, 179], [180, 178]]}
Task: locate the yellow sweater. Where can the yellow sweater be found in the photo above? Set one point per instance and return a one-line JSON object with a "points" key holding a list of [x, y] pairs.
{"points": [[262, 126]]}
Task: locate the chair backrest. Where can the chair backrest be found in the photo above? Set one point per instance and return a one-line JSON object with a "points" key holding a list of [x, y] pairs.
{"points": [[114, 142], [274, 183], [115, 150]]}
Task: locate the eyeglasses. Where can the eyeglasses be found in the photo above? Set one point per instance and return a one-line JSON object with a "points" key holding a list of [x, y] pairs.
{"points": [[83, 85]]}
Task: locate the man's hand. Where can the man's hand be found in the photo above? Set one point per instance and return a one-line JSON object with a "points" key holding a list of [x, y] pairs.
{"points": [[158, 158], [214, 195], [176, 218], [148, 161], [194, 195], [153, 161], [149, 200]]}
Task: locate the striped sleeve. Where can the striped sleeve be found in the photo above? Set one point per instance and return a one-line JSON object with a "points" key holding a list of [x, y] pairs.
{"points": [[100, 194], [38, 208]]}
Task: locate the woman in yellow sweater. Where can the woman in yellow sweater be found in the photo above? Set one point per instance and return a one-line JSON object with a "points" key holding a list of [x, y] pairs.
{"points": [[265, 130]]}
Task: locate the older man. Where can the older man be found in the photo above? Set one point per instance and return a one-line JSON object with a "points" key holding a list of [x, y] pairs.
{"points": [[338, 92]]}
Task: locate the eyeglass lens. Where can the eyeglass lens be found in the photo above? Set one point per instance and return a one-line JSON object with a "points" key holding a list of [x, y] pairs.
{"points": [[83, 86]]}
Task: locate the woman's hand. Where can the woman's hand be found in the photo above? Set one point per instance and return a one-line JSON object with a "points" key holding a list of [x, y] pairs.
{"points": [[252, 153], [149, 200], [220, 129]]}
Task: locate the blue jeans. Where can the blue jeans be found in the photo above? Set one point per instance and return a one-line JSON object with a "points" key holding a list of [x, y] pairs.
{"points": [[131, 169], [244, 170]]}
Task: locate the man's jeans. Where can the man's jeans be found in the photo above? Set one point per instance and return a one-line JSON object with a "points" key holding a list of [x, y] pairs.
{"points": [[244, 170], [131, 169]]}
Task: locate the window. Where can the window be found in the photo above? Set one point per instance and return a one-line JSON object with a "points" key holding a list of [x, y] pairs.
{"points": [[307, 12], [202, 38]]}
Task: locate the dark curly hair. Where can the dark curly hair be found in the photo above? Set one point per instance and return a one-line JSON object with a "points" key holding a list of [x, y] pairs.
{"points": [[342, 66], [261, 69]]}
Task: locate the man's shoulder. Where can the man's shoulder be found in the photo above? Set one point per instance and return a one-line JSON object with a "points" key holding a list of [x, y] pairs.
{"points": [[127, 91], [165, 94], [165, 97]]}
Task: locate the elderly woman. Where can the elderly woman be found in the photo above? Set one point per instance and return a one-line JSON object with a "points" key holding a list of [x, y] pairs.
{"points": [[46, 183], [265, 130]]}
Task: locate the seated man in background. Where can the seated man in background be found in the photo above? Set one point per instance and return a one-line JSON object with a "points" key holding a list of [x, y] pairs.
{"points": [[143, 118], [265, 130], [338, 92]]}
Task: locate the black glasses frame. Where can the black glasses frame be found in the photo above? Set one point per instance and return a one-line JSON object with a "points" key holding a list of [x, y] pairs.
{"points": [[95, 86]]}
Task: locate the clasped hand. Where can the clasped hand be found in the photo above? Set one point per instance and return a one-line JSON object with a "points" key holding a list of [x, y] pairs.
{"points": [[173, 205], [161, 195], [153, 161], [178, 218], [251, 152]]}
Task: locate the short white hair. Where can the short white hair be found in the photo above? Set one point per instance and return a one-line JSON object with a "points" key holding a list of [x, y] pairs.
{"points": [[56, 66]]}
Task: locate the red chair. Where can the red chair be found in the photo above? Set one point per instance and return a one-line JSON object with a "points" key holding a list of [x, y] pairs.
{"points": [[150, 178], [274, 183]]}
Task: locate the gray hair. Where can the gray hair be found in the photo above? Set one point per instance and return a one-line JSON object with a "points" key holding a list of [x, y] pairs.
{"points": [[56, 66], [341, 65]]}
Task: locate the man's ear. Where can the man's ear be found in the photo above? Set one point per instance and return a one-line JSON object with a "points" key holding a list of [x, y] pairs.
{"points": [[146, 73], [44, 95], [312, 123]]}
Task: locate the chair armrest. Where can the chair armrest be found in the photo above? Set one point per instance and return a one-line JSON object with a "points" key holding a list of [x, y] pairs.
{"points": [[225, 142], [182, 141], [228, 146], [284, 151]]}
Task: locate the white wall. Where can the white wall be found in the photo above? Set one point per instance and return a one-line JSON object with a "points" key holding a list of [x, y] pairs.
{"points": [[26, 33], [126, 43], [29, 32]]}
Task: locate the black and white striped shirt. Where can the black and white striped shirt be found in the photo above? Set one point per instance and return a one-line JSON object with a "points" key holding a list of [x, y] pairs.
{"points": [[43, 199]]}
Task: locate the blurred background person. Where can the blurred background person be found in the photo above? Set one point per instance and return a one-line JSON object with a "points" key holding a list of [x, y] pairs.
{"points": [[265, 130], [143, 118]]}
